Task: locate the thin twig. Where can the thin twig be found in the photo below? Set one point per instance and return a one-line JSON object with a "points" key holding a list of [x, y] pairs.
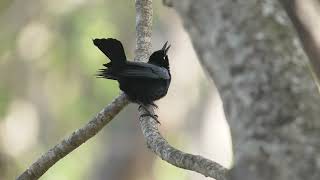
{"points": [[154, 140], [78, 137]]}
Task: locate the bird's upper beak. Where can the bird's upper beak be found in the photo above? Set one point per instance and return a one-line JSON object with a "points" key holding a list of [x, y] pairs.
{"points": [[165, 48]]}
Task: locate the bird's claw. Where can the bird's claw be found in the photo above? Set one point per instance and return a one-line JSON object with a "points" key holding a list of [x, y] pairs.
{"points": [[154, 105], [154, 116], [143, 106], [146, 108]]}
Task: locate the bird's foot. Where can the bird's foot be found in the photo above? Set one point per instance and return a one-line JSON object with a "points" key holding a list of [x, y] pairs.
{"points": [[146, 108], [143, 106], [154, 116], [154, 105]]}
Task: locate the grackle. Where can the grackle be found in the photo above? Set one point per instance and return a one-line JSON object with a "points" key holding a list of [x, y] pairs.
{"points": [[142, 82]]}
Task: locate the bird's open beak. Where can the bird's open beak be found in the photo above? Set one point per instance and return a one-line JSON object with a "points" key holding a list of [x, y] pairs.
{"points": [[165, 48]]}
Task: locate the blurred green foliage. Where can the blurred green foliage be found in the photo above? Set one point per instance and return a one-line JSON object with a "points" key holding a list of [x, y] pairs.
{"points": [[48, 63], [59, 80]]}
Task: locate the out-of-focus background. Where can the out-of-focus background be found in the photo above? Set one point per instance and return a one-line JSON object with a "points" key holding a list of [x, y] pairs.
{"points": [[48, 89]]}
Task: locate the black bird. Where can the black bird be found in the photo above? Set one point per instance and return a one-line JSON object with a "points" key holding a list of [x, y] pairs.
{"points": [[143, 83]]}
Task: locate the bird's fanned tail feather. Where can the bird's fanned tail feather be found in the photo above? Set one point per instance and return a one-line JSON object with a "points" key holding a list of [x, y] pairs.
{"points": [[113, 49], [106, 72]]}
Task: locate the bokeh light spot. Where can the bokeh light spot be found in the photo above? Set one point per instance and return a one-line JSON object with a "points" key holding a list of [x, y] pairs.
{"points": [[33, 41], [19, 128]]}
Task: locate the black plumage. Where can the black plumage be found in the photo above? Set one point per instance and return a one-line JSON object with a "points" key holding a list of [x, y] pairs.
{"points": [[142, 82]]}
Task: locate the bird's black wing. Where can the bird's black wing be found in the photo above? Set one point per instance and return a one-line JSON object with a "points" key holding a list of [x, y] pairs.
{"points": [[143, 70], [112, 48]]}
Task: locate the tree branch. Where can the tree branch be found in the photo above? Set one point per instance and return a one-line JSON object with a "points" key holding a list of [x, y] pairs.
{"points": [[269, 98], [304, 15], [196, 163], [143, 29], [154, 140], [78, 137]]}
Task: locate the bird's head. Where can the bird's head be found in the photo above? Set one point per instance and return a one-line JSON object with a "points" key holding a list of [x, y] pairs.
{"points": [[160, 57]]}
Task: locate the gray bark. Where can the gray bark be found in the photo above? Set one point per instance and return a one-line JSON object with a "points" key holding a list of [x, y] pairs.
{"points": [[304, 15], [251, 52]]}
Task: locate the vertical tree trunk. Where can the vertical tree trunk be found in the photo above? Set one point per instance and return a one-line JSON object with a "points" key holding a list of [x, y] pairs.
{"points": [[251, 52]]}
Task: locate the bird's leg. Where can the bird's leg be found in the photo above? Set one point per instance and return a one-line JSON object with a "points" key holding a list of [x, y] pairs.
{"points": [[154, 105], [143, 106], [154, 116]]}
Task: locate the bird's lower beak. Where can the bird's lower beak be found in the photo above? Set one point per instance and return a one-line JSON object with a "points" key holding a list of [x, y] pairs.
{"points": [[165, 48]]}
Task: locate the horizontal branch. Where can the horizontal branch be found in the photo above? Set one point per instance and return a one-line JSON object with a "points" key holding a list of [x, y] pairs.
{"points": [[78, 137]]}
